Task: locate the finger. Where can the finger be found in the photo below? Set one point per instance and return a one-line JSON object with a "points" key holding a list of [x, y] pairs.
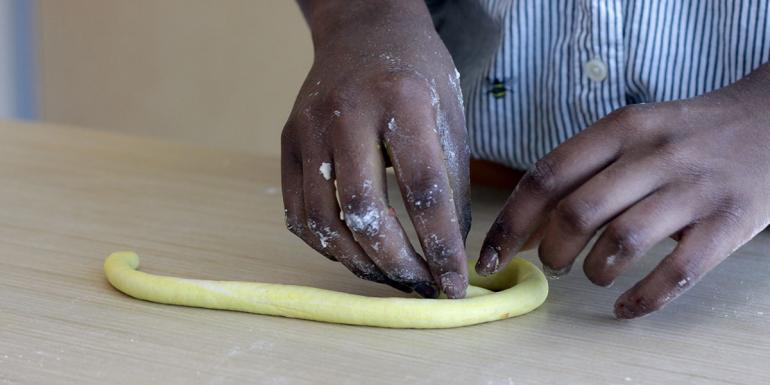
{"points": [[633, 233], [428, 197], [536, 237], [292, 191], [700, 250], [453, 137], [556, 174], [331, 236], [578, 216], [361, 184]]}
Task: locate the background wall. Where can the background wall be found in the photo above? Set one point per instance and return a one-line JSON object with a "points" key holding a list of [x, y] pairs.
{"points": [[223, 72], [6, 61], [18, 73]]}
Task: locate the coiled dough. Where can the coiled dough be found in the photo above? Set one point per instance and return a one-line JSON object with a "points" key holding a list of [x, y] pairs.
{"points": [[517, 289]]}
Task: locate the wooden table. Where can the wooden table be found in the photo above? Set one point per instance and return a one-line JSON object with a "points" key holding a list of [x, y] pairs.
{"points": [[71, 196]]}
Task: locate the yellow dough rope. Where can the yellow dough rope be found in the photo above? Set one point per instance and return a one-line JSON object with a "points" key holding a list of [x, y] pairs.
{"points": [[518, 289]]}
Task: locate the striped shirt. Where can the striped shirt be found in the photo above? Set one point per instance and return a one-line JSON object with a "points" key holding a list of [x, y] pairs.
{"points": [[561, 65]]}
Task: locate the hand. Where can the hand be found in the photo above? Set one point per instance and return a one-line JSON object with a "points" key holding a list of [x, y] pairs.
{"points": [[696, 169], [382, 90]]}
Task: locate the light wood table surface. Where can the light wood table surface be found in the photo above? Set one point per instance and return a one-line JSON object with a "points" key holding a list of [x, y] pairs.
{"points": [[69, 197]]}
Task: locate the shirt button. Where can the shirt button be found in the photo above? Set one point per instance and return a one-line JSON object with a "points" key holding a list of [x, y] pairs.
{"points": [[595, 69]]}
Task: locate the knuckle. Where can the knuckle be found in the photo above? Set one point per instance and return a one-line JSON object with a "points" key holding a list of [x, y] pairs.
{"points": [[578, 215], [631, 117], [320, 240], [730, 208], [666, 145], [288, 136], [688, 172], [626, 239], [363, 218], [403, 85], [426, 194], [697, 175], [295, 226], [598, 275], [316, 220], [313, 218], [343, 97], [636, 120], [541, 178], [678, 110], [323, 230]]}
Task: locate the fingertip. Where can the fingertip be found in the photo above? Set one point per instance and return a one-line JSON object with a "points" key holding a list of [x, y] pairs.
{"points": [[556, 273], [621, 308], [598, 273], [630, 306], [555, 261], [454, 284], [622, 312], [606, 283], [489, 261]]}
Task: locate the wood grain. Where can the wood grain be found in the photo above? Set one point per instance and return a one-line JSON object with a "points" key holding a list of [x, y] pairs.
{"points": [[71, 196]]}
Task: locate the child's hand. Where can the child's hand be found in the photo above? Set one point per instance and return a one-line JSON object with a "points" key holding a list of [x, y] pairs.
{"points": [[382, 91], [697, 170]]}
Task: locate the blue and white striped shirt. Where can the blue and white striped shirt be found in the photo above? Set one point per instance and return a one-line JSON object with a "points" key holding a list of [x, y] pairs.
{"points": [[561, 65]]}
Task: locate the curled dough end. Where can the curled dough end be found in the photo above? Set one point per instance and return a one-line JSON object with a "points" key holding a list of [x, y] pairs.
{"points": [[517, 289]]}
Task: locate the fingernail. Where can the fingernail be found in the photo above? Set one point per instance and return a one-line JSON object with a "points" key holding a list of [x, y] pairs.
{"points": [[426, 290], [453, 284], [552, 273], [488, 262]]}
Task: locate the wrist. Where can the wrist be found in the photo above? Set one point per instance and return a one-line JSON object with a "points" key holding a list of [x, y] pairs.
{"points": [[331, 20], [749, 96]]}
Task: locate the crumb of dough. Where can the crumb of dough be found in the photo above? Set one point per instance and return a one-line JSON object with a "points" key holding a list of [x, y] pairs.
{"points": [[326, 170]]}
